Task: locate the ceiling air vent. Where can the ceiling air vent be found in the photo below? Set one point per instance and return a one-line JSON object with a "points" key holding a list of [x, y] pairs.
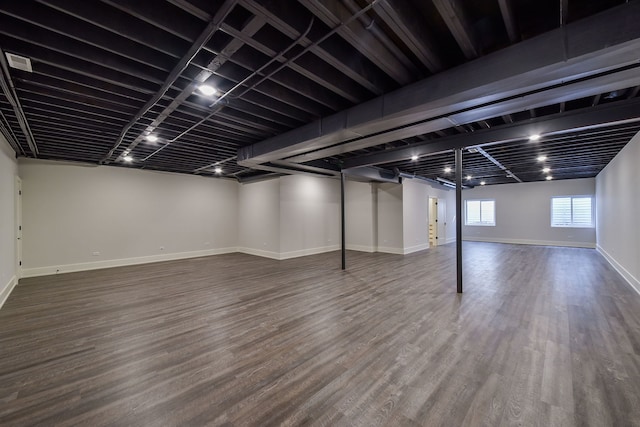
{"points": [[19, 62]]}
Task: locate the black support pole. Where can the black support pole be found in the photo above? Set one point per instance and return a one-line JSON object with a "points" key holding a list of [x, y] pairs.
{"points": [[344, 248], [459, 218]]}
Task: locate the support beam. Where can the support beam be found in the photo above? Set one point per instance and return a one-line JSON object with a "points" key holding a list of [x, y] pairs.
{"points": [[538, 69], [591, 117], [459, 219], [342, 223]]}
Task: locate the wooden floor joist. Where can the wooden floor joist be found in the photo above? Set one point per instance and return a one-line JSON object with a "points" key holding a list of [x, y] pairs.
{"points": [[541, 336]]}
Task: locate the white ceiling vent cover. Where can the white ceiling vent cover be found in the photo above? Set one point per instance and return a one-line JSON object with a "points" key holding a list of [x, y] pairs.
{"points": [[19, 62]]}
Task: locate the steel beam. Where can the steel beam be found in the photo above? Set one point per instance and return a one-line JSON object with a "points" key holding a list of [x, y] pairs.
{"points": [[605, 42], [591, 117], [459, 219], [343, 238]]}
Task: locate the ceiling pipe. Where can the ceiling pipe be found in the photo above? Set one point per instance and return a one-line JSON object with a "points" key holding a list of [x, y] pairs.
{"points": [[497, 163], [218, 102], [9, 91], [304, 51], [201, 41]]}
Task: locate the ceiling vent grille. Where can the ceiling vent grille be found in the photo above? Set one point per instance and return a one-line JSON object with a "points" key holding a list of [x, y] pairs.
{"points": [[19, 62]]}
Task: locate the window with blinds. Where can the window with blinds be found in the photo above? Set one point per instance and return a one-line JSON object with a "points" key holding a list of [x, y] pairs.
{"points": [[480, 212], [572, 211]]}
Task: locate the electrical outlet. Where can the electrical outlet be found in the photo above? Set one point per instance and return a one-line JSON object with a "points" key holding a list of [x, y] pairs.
{"points": [[96, 253], [162, 248]]}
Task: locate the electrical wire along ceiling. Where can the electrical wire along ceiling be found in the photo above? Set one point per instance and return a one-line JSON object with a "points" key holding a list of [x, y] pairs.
{"points": [[247, 89]]}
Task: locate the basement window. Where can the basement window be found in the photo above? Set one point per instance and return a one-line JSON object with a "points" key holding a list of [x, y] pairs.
{"points": [[572, 211], [480, 212]]}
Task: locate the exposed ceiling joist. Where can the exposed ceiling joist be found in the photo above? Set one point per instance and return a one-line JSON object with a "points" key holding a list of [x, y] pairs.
{"points": [[590, 118], [529, 67], [453, 14]]}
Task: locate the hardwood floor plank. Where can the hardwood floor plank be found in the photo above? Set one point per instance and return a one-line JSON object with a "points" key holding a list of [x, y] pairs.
{"points": [[541, 336]]}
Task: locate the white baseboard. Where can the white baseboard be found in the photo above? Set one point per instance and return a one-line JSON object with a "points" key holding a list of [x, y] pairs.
{"points": [[287, 255], [6, 290], [260, 252], [532, 242], [69, 268], [389, 250], [631, 280], [305, 252], [361, 248], [450, 240], [416, 248]]}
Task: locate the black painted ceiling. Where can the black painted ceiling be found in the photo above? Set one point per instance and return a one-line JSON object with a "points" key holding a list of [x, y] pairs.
{"points": [[107, 73]]}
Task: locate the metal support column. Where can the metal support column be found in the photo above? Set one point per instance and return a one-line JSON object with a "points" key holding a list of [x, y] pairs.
{"points": [[344, 247], [459, 218]]}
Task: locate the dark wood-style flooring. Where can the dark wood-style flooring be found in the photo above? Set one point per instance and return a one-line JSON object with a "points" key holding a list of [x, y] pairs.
{"points": [[542, 336]]}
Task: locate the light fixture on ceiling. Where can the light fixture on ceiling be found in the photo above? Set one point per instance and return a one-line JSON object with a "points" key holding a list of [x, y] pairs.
{"points": [[218, 170], [542, 158], [549, 178], [207, 90], [534, 137], [468, 177], [447, 169], [472, 150], [546, 170], [152, 138], [128, 158], [482, 183], [414, 157]]}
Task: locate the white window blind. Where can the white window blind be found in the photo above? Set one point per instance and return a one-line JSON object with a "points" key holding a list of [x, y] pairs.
{"points": [[572, 211], [480, 212]]}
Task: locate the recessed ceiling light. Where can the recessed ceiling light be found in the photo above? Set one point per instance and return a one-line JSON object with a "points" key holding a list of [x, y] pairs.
{"points": [[482, 183], [534, 137], [218, 170], [128, 159], [207, 90], [546, 170], [152, 138], [414, 157], [468, 177], [549, 178], [542, 158], [447, 169]]}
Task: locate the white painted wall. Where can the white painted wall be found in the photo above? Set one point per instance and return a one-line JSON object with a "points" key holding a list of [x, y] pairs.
{"points": [[361, 216], [8, 174], [416, 195], [309, 215], [71, 211], [415, 216], [390, 217], [618, 207], [523, 213], [259, 218]]}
